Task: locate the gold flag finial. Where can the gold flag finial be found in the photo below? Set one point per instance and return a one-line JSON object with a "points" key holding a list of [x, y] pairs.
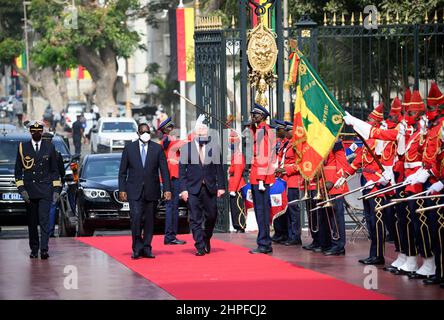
{"points": [[334, 18], [397, 17], [360, 18], [435, 18], [325, 18], [343, 19], [353, 19]]}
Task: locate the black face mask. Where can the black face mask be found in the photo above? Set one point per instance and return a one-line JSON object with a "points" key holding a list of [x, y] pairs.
{"points": [[36, 136], [203, 140]]}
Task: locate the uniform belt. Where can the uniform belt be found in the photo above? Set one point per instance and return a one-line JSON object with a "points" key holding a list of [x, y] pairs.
{"points": [[411, 165]]}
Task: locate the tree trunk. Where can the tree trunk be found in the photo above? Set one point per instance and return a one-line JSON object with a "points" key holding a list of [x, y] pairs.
{"points": [[103, 69], [50, 89]]}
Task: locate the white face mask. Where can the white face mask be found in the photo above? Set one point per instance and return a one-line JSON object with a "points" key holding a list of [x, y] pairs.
{"points": [[145, 137]]}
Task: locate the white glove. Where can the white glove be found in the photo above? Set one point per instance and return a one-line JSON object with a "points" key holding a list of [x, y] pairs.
{"points": [[369, 184], [435, 188], [339, 183], [384, 125], [388, 174], [411, 178], [362, 127], [348, 119], [402, 127], [422, 175], [383, 181], [423, 123], [232, 193], [261, 186]]}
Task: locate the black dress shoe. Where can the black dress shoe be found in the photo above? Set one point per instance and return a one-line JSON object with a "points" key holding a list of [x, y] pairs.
{"points": [[200, 252], [433, 280], [401, 272], [240, 231], [334, 252], [390, 269], [175, 241], [261, 250], [34, 255], [148, 255], [415, 275], [316, 249], [207, 248], [364, 260], [278, 239], [44, 255], [309, 246], [293, 243], [135, 256], [374, 261]]}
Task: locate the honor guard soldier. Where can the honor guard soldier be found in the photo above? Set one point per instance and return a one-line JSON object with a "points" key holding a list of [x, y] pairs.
{"points": [[171, 146], [280, 224], [287, 170], [236, 182], [372, 177], [426, 176], [335, 166], [262, 175], [38, 181]]}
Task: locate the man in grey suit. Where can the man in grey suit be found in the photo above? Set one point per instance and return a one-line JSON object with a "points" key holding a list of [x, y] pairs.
{"points": [[139, 185]]}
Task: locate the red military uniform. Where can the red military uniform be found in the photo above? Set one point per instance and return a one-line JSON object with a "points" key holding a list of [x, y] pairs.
{"points": [[237, 166], [364, 160], [171, 147], [335, 166], [263, 155]]}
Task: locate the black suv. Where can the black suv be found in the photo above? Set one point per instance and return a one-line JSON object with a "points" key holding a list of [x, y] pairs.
{"points": [[11, 203]]}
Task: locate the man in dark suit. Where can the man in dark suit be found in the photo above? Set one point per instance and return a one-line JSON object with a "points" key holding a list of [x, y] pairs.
{"points": [[139, 185], [201, 181], [38, 181]]}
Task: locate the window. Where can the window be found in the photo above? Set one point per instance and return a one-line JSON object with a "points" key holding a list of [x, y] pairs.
{"points": [[119, 127], [97, 169]]}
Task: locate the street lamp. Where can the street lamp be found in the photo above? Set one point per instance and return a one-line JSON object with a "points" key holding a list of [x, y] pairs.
{"points": [[29, 98]]}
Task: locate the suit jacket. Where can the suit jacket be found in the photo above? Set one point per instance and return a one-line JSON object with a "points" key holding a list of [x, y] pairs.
{"points": [[38, 174], [133, 177], [193, 172]]}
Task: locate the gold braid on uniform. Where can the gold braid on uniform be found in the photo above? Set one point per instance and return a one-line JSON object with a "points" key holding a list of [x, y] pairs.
{"points": [[423, 221], [24, 161], [378, 214], [440, 221], [242, 212]]}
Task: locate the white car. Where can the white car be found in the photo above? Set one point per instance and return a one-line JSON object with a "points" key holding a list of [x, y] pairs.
{"points": [[74, 109], [112, 134]]}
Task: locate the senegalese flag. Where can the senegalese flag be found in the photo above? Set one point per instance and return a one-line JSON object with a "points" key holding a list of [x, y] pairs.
{"points": [[182, 44], [317, 120], [20, 61]]}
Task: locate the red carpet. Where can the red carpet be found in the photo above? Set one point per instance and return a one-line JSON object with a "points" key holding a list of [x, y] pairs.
{"points": [[228, 272]]}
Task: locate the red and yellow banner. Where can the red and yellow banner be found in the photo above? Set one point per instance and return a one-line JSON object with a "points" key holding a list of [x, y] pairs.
{"points": [[79, 73], [185, 44]]}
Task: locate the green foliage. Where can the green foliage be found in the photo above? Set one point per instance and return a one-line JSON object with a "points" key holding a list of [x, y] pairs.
{"points": [[10, 49]]}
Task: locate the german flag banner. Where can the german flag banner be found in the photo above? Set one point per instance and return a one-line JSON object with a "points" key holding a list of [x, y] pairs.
{"points": [[182, 44], [317, 120]]}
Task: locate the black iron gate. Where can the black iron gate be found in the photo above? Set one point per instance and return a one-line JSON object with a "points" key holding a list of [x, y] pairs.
{"points": [[361, 66], [211, 88]]}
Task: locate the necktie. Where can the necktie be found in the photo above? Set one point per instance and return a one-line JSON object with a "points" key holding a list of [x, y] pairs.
{"points": [[143, 154], [36, 148], [201, 154]]}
